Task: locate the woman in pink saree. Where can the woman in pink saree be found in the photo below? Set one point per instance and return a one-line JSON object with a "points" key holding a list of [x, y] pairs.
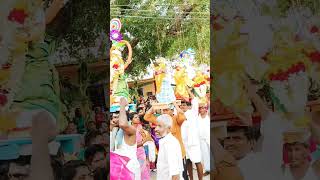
{"points": [[142, 137], [118, 170]]}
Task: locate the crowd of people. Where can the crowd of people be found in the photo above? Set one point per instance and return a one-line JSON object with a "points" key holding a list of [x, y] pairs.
{"points": [[90, 163], [168, 141], [30, 101], [275, 150]]}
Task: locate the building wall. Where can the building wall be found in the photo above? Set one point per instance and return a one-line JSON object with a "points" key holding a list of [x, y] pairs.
{"points": [[71, 71], [148, 88], [146, 85]]}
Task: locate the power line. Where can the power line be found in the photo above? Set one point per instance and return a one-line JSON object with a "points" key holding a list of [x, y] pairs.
{"points": [[123, 5], [140, 10], [158, 16], [150, 17]]}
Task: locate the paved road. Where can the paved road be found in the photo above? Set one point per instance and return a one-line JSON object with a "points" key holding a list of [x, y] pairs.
{"points": [[195, 177]]}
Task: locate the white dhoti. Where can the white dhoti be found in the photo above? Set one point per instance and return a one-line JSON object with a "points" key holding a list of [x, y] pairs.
{"points": [[194, 154], [134, 166], [205, 152]]}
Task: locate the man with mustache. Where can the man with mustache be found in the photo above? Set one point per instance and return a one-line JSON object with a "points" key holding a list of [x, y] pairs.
{"points": [[177, 121], [169, 164], [302, 161], [241, 140]]}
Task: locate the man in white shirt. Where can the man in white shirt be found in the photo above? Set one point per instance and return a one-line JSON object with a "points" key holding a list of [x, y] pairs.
{"points": [[264, 165], [191, 139], [297, 149], [113, 130], [169, 163], [191, 136], [203, 122]]}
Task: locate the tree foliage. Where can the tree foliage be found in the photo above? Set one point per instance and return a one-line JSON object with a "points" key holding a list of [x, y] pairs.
{"points": [[163, 28], [285, 5], [79, 25]]}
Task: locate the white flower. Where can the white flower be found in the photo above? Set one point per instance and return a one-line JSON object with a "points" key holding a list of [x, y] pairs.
{"points": [[260, 34], [292, 93]]}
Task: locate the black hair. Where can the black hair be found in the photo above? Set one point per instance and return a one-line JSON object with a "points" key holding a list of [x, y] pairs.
{"points": [[90, 122], [70, 169], [23, 160], [5, 165], [131, 115], [72, 121], [56, 165], [90, 136], [114, 113], [251, 133], [26, 160], [139, 109], [4, 169], [92, 150], [101, 174], [77, 112]]}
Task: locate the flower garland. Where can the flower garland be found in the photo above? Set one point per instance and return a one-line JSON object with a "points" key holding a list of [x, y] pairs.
{"points": [[284, 75], [19, 18], [12, 68], [117, 72]]}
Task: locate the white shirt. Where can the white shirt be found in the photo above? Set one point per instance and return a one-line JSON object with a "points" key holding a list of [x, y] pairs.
{"points": [[130, 152], [191, 129], [266, 165], [169, 158], [204, 126], [310, 175], [190, 133]]}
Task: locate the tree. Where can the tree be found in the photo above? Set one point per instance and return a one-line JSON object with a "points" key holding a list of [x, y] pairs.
{"points": [[80, 30], [163, 28], [285, 5]]}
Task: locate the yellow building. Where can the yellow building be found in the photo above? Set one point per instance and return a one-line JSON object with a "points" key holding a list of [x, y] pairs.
{"points": [[97, 92], [146, 86]]}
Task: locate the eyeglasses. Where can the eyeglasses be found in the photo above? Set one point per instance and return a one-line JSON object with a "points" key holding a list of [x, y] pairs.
{"points": [[203, 107]]}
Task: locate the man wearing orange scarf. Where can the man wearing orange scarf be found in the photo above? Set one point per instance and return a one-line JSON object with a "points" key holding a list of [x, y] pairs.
{"points": [[177, 120]]}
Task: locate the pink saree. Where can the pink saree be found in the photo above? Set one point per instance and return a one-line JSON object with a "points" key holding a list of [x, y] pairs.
{"points": [[118, 168], [141, 155]]}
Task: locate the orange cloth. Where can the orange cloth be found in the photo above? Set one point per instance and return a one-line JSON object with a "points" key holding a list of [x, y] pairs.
{"points": [[177, 121], [159, 76], [227, 169], [181, 79]]}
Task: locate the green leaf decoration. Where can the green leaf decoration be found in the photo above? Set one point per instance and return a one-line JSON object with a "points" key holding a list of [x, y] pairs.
{"points": [[118, 44], [277, 102]]}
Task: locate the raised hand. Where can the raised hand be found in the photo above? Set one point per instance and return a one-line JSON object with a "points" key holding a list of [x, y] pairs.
{"points": [[43, 127], [43, 130], [123, 102]]}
